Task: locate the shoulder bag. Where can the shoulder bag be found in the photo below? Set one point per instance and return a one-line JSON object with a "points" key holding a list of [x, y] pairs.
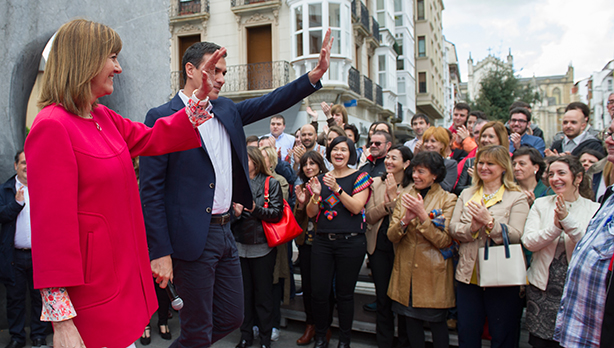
{"points": [[284, 230], [502, 265]]}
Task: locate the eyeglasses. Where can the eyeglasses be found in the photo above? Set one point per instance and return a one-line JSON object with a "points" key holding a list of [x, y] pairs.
{"points": [[517, 120], [376, 143], [605, 135], [610, 102]]}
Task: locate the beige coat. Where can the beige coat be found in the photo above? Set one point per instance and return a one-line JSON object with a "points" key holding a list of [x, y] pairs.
{"points": [[418, 258], [512, 210], [376, 209]]}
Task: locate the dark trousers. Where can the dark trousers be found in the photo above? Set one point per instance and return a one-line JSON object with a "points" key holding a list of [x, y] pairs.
{"points": [[607, 328], [16, 300], [501, 306], [258, 296], [381, 263], [164, 303], [341, 259], [304, 252], [415, 333], [212, 291]]}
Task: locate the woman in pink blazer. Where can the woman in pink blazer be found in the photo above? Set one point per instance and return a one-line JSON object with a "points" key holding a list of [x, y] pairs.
{"points": [[89, 248]]}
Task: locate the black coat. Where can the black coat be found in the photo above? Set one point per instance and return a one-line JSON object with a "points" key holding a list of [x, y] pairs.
{"points": [[248, 228], [9, 210], [588, 143]]}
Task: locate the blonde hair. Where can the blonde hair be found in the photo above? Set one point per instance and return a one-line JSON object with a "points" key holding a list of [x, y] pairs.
{"points": [[501, 156], [272, 155], [441, 135], [79, 51]]}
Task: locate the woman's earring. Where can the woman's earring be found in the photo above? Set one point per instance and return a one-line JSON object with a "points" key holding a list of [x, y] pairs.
{"points": [[534, 172]]}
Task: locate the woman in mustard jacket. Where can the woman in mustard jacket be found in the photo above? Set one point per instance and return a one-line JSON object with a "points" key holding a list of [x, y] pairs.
{"points": [[421, 284]]}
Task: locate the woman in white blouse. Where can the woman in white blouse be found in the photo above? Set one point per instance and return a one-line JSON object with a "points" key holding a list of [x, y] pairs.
{"points": [[554, 225]]}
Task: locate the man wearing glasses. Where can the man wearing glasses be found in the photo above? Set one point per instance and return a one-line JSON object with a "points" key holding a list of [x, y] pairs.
{"points": [[380, 143], [520, 120], [611, 105]]}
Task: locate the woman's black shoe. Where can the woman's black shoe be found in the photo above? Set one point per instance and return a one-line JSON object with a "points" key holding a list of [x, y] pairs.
{"points": [[321, 342], [146, 338], [167, 334], [343, 345], [244, 344]]}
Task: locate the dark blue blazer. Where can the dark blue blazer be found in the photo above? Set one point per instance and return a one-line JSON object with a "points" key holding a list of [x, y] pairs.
{"points": [[9, 210], [177, 189]]}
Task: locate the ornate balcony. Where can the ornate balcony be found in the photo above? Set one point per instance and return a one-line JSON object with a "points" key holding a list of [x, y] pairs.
{"points": [[257, 76], [248, 6], [189, 10], [379, 95], [367, 88], [354, 80]]}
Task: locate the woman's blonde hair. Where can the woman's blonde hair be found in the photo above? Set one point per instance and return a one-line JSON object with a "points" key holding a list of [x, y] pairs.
{"points": [[79, 51], [500, 131], [271, 153], [441, 135], [501, 156]]}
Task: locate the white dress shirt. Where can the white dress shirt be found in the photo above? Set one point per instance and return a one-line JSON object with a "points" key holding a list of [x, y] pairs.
{"points": [[23, 230], [284, 143], [217, 143]]}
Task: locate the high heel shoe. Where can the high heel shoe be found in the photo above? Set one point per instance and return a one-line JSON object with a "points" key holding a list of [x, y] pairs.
{"points": [[167, 332], [146, 338]]}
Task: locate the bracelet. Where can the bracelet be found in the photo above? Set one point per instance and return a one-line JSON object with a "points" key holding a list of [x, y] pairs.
{"points": [[316, 202], [339, 191]]}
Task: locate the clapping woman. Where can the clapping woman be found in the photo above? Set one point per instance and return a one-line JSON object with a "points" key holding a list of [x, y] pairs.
{"points": [[257, 258], [89, 248], [481, 211], [554, 225], [421, 285], [386, 189], [338, 250]]}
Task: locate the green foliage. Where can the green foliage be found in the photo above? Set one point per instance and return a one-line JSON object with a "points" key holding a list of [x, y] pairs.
{"points": [[498, 90]]}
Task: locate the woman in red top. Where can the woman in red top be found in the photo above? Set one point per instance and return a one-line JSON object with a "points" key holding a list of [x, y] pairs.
{"points": [[89, 249]]}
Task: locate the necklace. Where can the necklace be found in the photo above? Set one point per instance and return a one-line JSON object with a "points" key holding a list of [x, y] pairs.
{"points": [[490, 196]]}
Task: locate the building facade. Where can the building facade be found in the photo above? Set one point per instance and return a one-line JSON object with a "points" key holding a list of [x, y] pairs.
{"points": [[272, 42], [429, 58]]}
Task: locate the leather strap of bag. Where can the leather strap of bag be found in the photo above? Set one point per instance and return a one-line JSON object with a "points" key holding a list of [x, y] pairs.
{"points": [[266, 192], [506, 242]]}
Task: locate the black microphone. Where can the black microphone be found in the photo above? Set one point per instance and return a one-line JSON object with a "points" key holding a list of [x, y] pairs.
{"points": [[176, 301]]}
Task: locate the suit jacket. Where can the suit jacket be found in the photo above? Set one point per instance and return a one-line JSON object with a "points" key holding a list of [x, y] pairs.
{"points": [[9, 210], [177, 189]]}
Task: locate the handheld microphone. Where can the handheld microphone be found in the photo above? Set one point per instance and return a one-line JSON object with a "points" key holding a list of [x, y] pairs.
{"points": [[176, 301]]}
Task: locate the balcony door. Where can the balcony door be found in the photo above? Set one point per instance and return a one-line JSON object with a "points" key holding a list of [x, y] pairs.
{"points": [[259, 58]]}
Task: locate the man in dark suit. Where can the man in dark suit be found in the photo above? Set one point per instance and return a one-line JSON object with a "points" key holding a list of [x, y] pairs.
{"points": [[16, 259], [187, 197]]}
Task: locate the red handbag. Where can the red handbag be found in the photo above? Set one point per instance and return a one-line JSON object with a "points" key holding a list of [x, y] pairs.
{"points": [[284, 230]]}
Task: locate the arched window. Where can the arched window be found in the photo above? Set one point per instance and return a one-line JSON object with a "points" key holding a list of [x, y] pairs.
{"points": [[556, 93]]}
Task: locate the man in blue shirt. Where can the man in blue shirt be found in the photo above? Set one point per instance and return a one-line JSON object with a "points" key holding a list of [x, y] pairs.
{"points": [[520, 120]]}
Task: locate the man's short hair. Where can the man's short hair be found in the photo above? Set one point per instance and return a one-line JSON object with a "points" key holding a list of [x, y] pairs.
{"points": [[251, 139], [195, 53], [519, 104], [279, 117], [579, 106], [17, 156], [478, 115], [421, 116], [479, 121], [385, 134], [462, 106], [523, 111]]}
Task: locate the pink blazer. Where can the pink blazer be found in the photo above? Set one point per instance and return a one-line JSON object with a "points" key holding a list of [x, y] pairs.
{"points": [[88, 233]]}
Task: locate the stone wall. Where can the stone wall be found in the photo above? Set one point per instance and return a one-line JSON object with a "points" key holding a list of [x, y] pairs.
{"points": [[27, 25]]}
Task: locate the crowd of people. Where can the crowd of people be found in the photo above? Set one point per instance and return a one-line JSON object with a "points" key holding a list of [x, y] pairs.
{"points": [[78, 228]]}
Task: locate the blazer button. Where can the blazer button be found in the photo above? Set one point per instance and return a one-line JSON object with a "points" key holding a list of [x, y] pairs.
{"points": [[416, 265], [211, 185], [208, 210]]}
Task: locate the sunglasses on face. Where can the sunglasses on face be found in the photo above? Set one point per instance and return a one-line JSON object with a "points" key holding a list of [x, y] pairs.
{"points": [[376, 143]]}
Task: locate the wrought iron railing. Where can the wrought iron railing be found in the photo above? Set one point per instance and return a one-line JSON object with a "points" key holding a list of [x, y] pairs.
{"points": [[364, 16], [379, 95], [257, 76], [367, 87], [184, 8], [375, 31], [354, 80], [234, 3], [400, 111]]}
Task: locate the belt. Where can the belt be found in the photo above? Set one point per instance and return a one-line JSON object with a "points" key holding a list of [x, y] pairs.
{"points": [[24, 249], [336, 236], [220, 219]]}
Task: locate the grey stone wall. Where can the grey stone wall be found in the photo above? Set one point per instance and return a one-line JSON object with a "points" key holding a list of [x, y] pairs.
{"points": [[27, 25]]}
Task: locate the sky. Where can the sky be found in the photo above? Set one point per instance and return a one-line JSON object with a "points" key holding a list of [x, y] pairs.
{"points": [[545, 36]]}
